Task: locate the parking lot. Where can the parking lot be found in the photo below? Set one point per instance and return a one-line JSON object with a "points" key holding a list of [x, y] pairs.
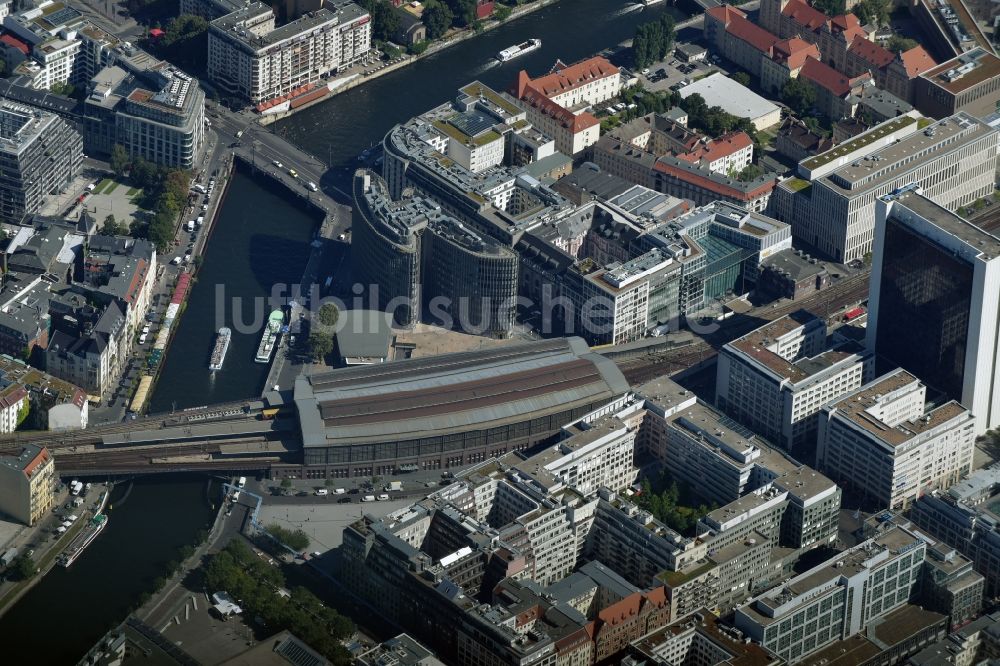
{"points": [[671, 74]]}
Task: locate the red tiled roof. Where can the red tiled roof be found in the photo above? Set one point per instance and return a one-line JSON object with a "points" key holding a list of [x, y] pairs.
{"points": [[724, 13], [725, 145], [40, 459], [576, 123], [712, 186], [871, 52], [752, 34], [804, 15], [793, 52], [14, 397], [917, 61], [827, 77], [14, 42], [845, 22], [574, 76]]}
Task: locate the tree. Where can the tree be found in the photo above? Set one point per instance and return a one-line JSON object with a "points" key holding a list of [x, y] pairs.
{"points": [[385, 20], [749, 173], [653, 40], [184, 28], [296, 540], [112, 228], [119, 160], [899, 44], [830, 7], [328, 314], [799, 95], [873, 11], [464, 12], [24, 567], [438, 18], [741, 78], [320, 344], [502, 13], [286, 483]]}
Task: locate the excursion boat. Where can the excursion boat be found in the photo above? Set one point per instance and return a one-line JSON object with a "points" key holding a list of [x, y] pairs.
{"points": [[220, 349], [83, 539], [519, 50], [272, 329], [651, 2]]}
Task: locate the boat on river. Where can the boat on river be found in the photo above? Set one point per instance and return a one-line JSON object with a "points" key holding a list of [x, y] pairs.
{"points": [[519, 50], [272, 329], [221, 349]]}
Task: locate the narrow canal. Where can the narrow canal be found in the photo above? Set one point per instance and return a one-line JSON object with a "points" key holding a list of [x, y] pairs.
{"points": [[260, 240], [338, 130], [70, 609]]}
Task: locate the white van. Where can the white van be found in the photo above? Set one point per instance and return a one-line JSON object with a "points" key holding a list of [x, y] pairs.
{"points": [[175, 261], [322, 492], [187, 258], [142, 338], [200, 221], [368, 498], [339, 491], [189, 226], [383, 497], [312, 186]]}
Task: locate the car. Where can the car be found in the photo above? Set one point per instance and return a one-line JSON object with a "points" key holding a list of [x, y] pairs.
{"points": [[312, 186], [661, 72], [341, 237], [645, 72], [368, 498], [293, 173], [382, 497], [278, 164], [339, 491], [344, 500], [353, 491], [302, 493], [322, 492]]}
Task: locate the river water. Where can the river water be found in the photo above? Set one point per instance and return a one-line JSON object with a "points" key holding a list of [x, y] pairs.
{"points": [[65, 614], [259, 240], [338, 130]]}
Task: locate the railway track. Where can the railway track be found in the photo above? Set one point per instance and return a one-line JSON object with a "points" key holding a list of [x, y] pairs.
{"points": [[848, 292]]}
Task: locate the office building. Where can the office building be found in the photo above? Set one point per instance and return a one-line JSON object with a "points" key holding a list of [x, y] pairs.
{"points": [[969, 82], [776, 379], [410, 252], [953, 160], [40, 153], [837, 599], [250, 58], [558, 102], [27, 484], [884, 443], [158, 116], [698, 638], [403, 650], [932, 307], [974, 643], [965, 517]]}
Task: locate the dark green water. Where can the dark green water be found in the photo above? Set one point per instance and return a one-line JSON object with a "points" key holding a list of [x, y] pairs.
{"points": [[65, 614]]}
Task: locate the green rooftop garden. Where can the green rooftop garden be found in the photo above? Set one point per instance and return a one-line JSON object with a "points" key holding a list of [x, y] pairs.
{"points": [[479, 90], [676, 578], [797, 184], [859, 142], [459, 135]]}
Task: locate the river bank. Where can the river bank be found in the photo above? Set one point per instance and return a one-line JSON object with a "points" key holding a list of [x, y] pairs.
{"points": [[344, 83]]}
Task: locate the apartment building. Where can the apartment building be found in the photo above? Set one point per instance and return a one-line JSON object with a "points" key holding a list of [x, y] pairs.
{"points": [[249, 57], [92, 356], [40, 154], [27, 484], [737, 38], [953, 160], [836, 94], [883, 442], [158, 116], [558, 102], [931, 310], [838, 598], [776, 379]]}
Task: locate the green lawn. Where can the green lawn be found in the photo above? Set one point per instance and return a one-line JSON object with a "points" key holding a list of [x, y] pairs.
{"points": [[112, 187], [101, 185], [132, 191]]}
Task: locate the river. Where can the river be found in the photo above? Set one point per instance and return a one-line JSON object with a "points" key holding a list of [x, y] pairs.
{"points": [[65, 614], [338, 130], [259, 240]]}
